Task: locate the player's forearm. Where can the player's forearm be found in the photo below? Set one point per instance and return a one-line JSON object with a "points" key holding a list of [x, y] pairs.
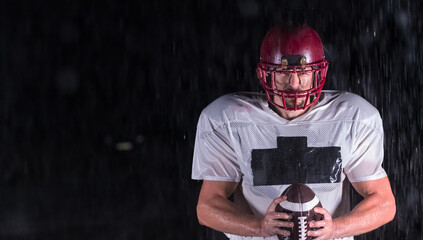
{"points": [[221, 214], [371, 213]]}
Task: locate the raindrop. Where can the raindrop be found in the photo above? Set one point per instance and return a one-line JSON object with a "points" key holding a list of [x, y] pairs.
{"points": [[124, 146], [401, 19], [67, 80], [139, 139]]}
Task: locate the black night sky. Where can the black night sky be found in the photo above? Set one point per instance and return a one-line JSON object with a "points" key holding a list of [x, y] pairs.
{"points": [[99, 102]]}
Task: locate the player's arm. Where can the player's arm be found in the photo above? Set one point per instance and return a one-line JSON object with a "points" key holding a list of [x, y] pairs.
{"points": [[216, 211], [377, 208]]}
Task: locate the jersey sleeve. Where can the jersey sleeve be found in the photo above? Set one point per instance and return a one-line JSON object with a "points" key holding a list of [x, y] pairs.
{"points": [[214, 156], [367, 155]]}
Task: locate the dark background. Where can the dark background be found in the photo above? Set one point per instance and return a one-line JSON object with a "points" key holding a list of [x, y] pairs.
{"points": [[99, 104]]}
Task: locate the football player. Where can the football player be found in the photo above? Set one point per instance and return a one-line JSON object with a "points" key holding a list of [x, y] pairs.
{"points": [[252, 146]]}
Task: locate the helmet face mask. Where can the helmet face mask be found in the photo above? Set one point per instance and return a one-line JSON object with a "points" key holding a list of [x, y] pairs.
{"points": [[302, 98], [287, 51]]}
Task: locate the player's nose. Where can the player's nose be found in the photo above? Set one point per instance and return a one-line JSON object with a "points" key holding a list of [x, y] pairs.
{"points": [[294, 81]]}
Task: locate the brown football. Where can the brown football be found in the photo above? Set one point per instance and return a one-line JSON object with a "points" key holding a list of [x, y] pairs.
{"points": [[300, 202]]}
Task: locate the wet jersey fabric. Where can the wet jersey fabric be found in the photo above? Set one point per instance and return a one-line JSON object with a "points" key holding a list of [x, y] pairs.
{"points": [[240, 139]]}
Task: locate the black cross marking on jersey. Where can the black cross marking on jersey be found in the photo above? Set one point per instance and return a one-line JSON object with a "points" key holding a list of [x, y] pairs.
{"points": [[292, 161]]}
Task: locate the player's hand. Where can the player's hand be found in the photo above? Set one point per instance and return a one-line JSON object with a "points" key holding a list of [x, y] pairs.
{"points": [[272, 222], [327, 226]]}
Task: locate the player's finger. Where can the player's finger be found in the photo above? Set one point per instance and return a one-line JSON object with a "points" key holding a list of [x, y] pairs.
{"points": [[283, 224], [275, 203], [323, 211], [281, 215], [318, 224], [281, 232]]}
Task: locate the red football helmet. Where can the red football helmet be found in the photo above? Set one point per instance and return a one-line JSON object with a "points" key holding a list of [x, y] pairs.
{"points": [[292, 50]]}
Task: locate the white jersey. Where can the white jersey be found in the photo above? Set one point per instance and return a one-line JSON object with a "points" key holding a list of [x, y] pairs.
{"points": [[239, 138]]}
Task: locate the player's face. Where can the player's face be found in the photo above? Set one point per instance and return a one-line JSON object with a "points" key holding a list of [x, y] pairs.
{"points": [[293, 82]]}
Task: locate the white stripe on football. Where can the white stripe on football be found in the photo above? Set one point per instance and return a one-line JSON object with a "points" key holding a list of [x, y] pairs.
{"points": [[300, 207]]}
